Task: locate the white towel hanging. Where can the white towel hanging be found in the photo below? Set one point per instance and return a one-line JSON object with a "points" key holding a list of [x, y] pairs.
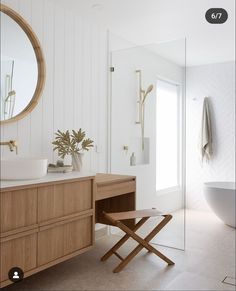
{"points": [[205, 142]]}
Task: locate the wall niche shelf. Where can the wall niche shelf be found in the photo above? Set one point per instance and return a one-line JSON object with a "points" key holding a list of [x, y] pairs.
{"points": [[141, 155]]}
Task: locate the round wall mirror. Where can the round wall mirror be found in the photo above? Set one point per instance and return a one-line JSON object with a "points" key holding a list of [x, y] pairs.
{"points": [[22, 67]]}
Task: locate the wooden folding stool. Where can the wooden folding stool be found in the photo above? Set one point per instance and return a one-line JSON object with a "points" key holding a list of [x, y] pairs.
{"points": [[115, 219]]}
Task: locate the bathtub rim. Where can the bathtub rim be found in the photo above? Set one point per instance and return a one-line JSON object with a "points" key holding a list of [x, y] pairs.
{"points": [[226, 185]]}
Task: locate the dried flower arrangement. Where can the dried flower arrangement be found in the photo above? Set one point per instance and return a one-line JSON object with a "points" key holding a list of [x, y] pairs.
{"points": [[67, 143]]}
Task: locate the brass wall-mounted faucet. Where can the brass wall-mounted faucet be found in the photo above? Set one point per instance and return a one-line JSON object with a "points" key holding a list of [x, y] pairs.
{"points": [[12, 144]]}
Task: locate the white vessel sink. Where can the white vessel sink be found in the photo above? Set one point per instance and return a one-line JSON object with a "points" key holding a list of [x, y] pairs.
{"points": [[23, 168]]}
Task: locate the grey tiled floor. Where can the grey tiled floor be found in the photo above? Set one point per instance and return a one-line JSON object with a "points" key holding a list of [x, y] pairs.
{"points": [[209, 257]]}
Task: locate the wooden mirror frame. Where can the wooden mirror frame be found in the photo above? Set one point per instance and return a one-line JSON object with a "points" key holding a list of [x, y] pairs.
{"points": [[40, 62]]}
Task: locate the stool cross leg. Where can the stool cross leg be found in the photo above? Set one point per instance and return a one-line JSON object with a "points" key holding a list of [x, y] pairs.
{"points": [[143, 243], [123, 240]]}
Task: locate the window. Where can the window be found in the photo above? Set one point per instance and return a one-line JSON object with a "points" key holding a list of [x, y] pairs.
{"points": [[167, 135]]}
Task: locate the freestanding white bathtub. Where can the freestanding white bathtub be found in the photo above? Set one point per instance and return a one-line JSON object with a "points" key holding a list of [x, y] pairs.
{"points": [[221, 198]]}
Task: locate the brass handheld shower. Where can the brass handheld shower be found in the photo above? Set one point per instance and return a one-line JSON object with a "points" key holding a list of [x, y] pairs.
{"points": [[149, 90], [142, 97]]}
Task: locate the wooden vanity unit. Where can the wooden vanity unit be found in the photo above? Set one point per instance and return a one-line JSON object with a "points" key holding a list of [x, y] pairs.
{"points": [[48, 221], [45, 223]]}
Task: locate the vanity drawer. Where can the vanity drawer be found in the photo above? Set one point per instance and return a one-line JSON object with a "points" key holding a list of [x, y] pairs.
{"points": [[18, 252], [111, 190], [18, 210], [59, 200], [56, 241]]}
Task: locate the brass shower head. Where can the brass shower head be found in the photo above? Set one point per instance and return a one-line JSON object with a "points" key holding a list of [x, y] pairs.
{"points": [[149, 89]]}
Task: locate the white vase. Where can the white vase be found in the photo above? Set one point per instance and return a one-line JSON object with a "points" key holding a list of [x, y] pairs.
{"points": [[77, 162]]}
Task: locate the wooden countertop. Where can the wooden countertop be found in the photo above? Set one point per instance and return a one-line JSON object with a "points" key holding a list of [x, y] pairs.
{"points": [[111, 185], [46, 180], [100, 179], [106, 179]]}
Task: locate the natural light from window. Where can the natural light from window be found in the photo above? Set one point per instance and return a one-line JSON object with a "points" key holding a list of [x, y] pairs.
{"points": [[167, 136]]}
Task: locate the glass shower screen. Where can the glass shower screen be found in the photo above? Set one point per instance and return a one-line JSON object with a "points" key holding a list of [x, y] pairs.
{"points": [[147, 129]]}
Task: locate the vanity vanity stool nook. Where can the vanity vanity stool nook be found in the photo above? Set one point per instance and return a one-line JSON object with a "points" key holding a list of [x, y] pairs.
{"points": [[47, 221]]}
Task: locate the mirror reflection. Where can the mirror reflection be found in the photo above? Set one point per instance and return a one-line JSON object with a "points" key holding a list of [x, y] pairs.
{"points": [[19, 70]]}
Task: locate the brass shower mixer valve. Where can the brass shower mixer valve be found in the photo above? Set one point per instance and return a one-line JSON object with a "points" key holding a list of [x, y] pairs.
{"points": [[126, 148]]}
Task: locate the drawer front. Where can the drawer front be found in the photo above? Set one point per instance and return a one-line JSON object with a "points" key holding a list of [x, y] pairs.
{"points": [[20, 252], [108, 191], [18, 209], [64, 199], [58, 241]]}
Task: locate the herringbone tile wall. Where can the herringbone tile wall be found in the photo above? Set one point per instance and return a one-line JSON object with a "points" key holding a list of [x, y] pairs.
{"points": [[216, 81]]}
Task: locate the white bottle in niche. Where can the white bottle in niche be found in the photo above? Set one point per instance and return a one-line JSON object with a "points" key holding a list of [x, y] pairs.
{"points": [[132, 160]]}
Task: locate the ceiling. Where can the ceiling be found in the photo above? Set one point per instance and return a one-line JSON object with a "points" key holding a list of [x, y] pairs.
{"points": [[150, 21]]}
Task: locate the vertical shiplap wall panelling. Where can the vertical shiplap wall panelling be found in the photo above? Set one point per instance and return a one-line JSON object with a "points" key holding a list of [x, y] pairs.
{"points": [[10, 130], [75, 95], [24, 125], [69, 70], [94, 95], [103, 100], [48, 93], [68, 93], [78, 73], [90, 118], [96, 98], [36, 115], [87, 85], [59, 71], [14, 4]]}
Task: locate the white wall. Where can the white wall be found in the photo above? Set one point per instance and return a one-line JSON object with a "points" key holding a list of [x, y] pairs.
{"points": [[216, 81], [124, 114], [75, 93]]}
